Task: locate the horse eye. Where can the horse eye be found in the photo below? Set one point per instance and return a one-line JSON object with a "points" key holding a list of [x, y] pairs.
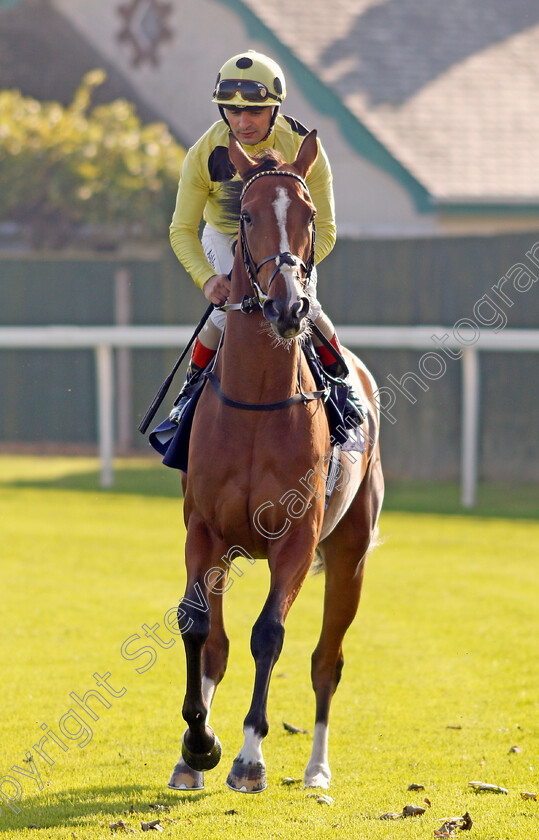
{"points": [[246, 217], [313, 216]]}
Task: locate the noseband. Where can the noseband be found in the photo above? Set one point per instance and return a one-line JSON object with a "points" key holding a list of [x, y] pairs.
{"points": [[284, 258]]}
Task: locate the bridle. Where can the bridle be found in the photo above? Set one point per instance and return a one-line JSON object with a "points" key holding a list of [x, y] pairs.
{"points": [[259, 297], [252, 268]]}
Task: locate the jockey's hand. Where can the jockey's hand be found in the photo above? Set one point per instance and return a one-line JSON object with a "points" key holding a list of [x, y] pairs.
{"points": [[217, 289]]}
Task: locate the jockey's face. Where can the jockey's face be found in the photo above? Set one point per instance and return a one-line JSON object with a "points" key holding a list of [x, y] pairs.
{"points": [[250, 125]]}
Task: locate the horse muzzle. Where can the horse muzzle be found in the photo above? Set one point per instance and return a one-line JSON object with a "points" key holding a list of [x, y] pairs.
{"points": [[286, 321]]}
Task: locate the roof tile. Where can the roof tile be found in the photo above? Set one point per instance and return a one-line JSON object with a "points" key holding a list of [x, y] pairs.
{"points": [[449, 88]]}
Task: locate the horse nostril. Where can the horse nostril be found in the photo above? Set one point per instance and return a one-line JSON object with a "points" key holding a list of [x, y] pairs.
{"points": [[305, 306], [271, 313], [300, 309]]}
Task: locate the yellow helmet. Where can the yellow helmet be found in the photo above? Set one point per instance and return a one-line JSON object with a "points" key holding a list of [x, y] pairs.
{"points": [[250, 78]]}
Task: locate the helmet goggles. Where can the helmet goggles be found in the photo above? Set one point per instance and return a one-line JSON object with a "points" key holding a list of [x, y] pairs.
{"points": [[250, 91]]}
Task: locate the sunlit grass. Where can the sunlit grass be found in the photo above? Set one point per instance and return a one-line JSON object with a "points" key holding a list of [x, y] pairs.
{"points": [[446, 636]]}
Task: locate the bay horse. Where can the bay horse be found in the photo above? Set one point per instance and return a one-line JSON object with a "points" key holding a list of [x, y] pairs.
{"points": [[258, 431]]}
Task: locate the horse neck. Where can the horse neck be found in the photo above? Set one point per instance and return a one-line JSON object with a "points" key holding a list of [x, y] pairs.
{"points": [[254, 367]]}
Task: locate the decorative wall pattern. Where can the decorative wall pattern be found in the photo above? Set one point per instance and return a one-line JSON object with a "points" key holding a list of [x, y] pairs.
{"points": [[144, 27]]}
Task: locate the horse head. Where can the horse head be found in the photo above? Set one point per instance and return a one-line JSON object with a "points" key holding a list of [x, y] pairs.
{"points": [[277, 232]]}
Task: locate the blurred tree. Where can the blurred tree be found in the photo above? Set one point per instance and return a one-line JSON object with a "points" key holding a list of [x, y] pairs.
{"points": [[66, 170]]}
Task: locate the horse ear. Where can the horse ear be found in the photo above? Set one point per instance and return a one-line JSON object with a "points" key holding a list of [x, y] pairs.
{"points": [[307, 154], [239, 156]]}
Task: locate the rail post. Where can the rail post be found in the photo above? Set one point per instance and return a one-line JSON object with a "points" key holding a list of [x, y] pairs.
{"points": [[105, 411], [471, 398]]}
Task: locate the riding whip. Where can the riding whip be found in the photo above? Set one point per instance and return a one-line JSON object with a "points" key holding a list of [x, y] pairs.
{"points": [[160, 396]]}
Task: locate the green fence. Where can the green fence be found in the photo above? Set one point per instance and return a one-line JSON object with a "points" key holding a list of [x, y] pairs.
{"points": [[49, 395]]}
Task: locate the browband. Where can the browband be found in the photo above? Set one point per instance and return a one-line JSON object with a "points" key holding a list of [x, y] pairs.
{"points": [[272, 172]]}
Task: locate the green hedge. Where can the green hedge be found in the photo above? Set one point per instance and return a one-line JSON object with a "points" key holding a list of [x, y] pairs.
{"points": [[64, 168]]}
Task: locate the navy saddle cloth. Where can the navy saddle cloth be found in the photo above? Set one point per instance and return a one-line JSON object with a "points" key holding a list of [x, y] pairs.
{"points": [[172, 441]]}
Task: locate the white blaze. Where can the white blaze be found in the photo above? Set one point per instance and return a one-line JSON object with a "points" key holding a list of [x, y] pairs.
{"points": [[280, 206]]}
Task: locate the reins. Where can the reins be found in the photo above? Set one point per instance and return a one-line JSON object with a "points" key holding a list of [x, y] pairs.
{"points": [[273, 406]]}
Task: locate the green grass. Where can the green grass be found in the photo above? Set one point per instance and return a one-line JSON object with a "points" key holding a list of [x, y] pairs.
{"points": [[446, 636]]}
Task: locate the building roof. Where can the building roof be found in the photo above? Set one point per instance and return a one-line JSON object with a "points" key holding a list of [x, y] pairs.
{"points": [[449, 89]]}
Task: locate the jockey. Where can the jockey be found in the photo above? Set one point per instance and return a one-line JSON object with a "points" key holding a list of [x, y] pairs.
{"points": [[249, 90]]}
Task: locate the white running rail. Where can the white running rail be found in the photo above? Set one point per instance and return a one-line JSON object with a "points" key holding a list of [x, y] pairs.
{"points": [[103, 341]]}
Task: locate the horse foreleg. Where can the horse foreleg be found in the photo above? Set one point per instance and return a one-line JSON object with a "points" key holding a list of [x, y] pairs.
{"points": [[214, 662], [248, 774], [201, 749], [183, 776]]}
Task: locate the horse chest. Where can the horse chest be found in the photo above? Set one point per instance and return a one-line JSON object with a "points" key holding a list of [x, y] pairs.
{"points": [[252, 490]]}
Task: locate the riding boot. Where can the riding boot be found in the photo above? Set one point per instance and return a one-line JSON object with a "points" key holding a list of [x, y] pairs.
{"points": [[188, 389], [200, 359], [353, 412]]}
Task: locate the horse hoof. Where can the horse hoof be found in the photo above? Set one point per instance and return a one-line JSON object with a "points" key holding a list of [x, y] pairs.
{"points": [[317, 782], [320, 779], [185, 778], [247, 778], [205, 760]]}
